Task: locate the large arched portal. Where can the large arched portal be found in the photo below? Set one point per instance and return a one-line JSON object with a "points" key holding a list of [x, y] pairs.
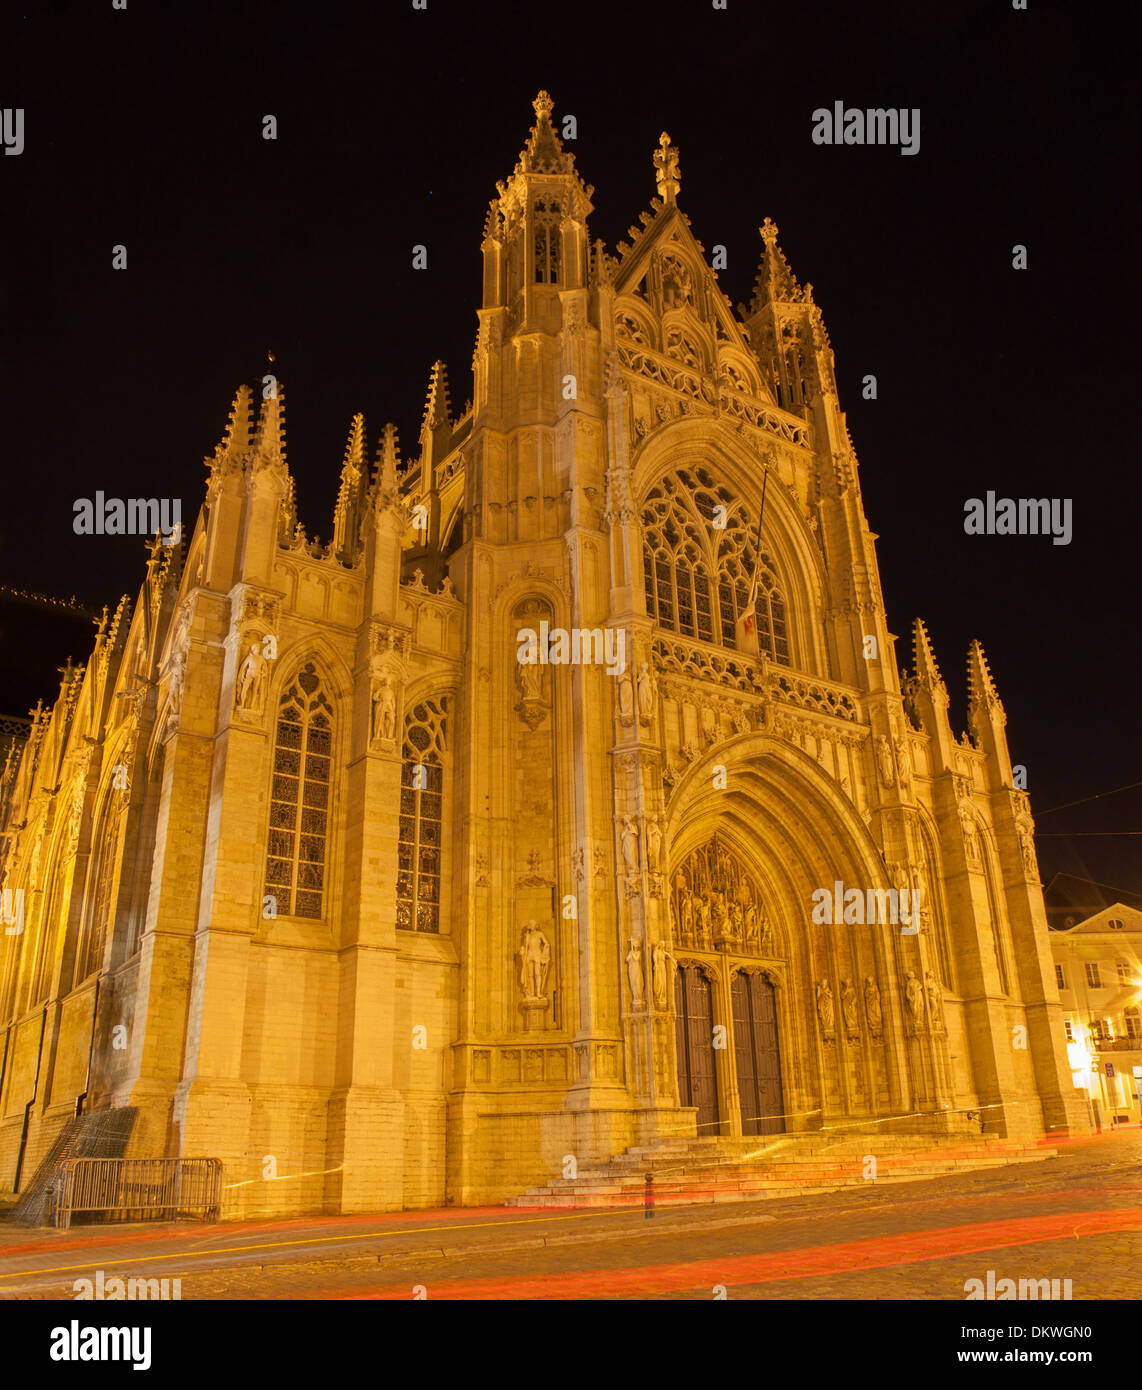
{"points": [[785, 1021]]}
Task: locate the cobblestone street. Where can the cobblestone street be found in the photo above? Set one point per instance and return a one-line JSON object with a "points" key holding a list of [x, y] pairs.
{"points": [[1077, 1216]]}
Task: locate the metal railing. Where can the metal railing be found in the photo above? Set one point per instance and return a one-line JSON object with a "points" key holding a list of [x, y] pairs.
{"points": [[138, 1188]]}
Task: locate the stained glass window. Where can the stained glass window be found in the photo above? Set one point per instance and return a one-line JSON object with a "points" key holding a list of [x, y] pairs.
{"points": [[299, 798]]}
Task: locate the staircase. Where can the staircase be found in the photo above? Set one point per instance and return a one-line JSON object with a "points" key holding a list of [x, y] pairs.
{"points": [[690, 1171], [101, 1134]]}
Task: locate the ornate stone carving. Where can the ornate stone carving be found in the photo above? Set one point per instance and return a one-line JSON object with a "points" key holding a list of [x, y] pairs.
{"points": [[913, 1003], [634, 976], [251, 680], [849, 1010], [826, 1011], [660, 973], [535, 963], [872, 1007], [481, 870], [532, 707], [715, 901], [884, 761], [647, 694], [935, 1002], [382, 709]]}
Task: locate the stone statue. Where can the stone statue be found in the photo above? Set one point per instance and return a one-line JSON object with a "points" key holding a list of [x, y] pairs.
{"points": [[935, 1002], [634, 973], [529, 678], [687, 914], [661, 975], [1027, 849], [653, 843], [884, 756], [626, 701], [704, 916], [849, 1008], [752, 925], [872, 1006], [971, 832], [251, 678], [384, 710], [645, 693], [903, 757], [630, 844], [535, 963], [914, 999], [825, 1011]]}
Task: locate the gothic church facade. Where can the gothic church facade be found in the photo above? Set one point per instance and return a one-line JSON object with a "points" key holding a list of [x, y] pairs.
{"points": [[313, 869]]}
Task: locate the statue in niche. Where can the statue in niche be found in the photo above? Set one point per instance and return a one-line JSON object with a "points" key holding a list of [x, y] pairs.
{"points": [[705, 921], [529, 678], [872, 1006], [535, 963], [634, 973], [661, 975], [884, 758], [630, 844], [384, 709], [971, 833], [914, 1001], [626, 701], [737, 920], [849, 1009], [935, 1002], [251, 680], [752, 925], [687, 915], [653, 843], [903, 757], [826, 1012], [646, 693]]}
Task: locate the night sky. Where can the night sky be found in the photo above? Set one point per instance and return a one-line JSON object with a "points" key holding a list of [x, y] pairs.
{"points": [[144, 128]]}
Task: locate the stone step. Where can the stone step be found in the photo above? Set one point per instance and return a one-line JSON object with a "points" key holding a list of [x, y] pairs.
{"points": [[735, 1181]]}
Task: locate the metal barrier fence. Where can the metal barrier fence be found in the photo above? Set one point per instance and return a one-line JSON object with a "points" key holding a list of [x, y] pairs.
{"points": [[137, 1188]]}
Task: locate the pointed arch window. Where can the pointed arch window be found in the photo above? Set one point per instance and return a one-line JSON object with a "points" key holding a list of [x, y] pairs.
{"points": [[420, 845], [547, 249], [297, 849], [93, 938], [699, 560], [676, 571]]}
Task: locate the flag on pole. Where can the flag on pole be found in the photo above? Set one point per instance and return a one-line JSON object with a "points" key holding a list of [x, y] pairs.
{"points": [[745, 633]]}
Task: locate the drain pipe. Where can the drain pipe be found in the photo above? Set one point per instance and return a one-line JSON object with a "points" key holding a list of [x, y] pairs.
{"points": [[28, 1107]]}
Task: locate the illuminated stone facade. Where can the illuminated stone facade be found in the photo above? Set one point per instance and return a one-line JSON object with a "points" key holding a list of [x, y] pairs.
{"points": [[326, 883]]}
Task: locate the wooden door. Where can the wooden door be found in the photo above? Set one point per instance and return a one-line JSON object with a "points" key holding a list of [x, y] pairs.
{"points": [[697, 1075], [757, 1055]]}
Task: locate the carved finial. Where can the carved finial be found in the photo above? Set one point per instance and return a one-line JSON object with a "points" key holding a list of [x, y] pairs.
{"points": [[543, 106], [768, 230], [666, 169]]}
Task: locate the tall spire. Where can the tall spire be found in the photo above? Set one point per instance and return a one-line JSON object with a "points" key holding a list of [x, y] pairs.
{"points": [[775, 282], [983, 699], [924, 666], [388, 461], [236, 436], [269, 440], [347, 512], [437, 405]]}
